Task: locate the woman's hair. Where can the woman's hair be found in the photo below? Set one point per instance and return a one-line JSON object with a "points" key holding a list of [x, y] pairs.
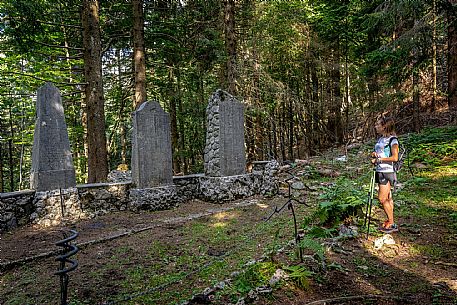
{"points": [[388, 124]]}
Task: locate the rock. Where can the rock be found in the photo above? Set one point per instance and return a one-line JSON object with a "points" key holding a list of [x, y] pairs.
{"points": [[386, 239], [347, 231], [278, 276]]}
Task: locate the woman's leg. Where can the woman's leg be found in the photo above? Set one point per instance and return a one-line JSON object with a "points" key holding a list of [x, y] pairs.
{"points": [[385, 199]]}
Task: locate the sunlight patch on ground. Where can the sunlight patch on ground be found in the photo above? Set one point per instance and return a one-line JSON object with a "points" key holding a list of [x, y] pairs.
{"points": [[226, 215], [219, 225], [441, 172], [263, 205], [396, 256], [452, 284]]}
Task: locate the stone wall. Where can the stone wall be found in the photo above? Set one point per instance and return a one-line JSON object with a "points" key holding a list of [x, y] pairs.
{"points": [[101, 198], [15, 209], [90, 200]]}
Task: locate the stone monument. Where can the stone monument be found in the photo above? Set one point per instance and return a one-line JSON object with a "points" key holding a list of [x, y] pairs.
{"points": [[224, 151], [151, 147], [52, 163]]}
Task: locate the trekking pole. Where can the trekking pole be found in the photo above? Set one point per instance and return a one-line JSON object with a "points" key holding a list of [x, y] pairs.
{"points": [[369, 202]]}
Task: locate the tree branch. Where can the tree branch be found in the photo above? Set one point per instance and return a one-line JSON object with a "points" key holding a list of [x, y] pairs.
{"points": [[355, 297], [44, 80], [59, 24], [57, 46]]}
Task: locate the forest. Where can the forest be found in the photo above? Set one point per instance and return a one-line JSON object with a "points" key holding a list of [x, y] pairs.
{"points": [[311, 74]]}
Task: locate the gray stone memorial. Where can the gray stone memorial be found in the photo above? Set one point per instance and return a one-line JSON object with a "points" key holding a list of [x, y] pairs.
{"points": [[52, 163], [224, 151], [151, 147]]}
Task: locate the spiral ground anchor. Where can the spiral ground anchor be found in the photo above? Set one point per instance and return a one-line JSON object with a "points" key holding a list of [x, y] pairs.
{"points": [[64, 258]]}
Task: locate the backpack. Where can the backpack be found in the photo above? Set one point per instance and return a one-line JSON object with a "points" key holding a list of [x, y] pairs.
{"points": [[401, 154]]}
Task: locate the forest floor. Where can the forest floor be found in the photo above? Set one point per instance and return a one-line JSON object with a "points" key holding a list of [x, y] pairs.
{"points": [[204, 253]]}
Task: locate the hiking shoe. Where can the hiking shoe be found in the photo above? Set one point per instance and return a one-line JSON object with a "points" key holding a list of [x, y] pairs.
{"points": [[392, 228]]}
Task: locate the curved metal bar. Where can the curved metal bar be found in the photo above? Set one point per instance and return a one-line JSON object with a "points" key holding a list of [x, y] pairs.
{"points": [[68, 239], [73, 250], [67, 251], [74, 265]]}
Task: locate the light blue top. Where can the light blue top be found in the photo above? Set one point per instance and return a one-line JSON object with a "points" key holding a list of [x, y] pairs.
{"points": [[383, 149]]}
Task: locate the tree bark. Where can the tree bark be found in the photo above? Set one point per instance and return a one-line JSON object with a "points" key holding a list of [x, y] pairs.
{"points": [[337, 99], [181, 133], [94, 99], [11, 164], [230, 45], [291, 129], [452, 59], [434, 55], [416, 100], [1, 169], [174, 123], [249, 138], [139, 57], [314, 143], [2, 186], [10, 149]]}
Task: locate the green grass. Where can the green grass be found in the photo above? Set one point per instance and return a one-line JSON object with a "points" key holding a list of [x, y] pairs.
{"points": [[433, 251]]}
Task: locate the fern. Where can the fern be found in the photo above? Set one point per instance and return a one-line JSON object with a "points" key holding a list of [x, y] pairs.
{"points": [[341, 201], [314, 246], [299, 275]]}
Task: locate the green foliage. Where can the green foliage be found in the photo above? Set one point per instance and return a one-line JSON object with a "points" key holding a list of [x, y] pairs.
{"points": [[433, 146], [299, 275], [255, 275], [453, 221], [310, 244], [340, 201], [320, 232]]}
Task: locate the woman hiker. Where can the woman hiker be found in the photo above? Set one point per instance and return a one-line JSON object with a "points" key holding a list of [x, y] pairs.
{"points": [[383, 157]]}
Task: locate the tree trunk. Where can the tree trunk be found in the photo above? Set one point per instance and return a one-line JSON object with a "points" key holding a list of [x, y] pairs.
{"points": [[282, 131], [11, 164], [249, 138], [122, 131], [260, 150], [10, 150], [335, 122], [416, 100], [181, 133], [291, 130], [230, 45], [275, 138], [94, 99], [123, 143], [434, 54], [452, 59], [139, 53], [174, 123], [2, 186], [21, 157], [314, 143]]}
